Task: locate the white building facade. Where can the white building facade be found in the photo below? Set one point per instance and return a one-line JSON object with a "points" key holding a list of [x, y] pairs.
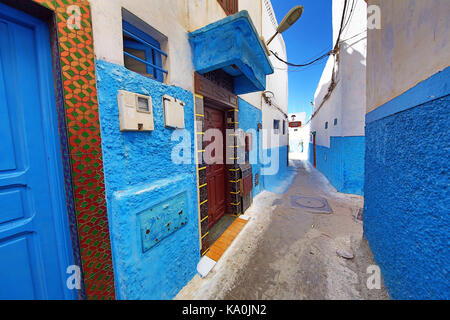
{"points": [[337, 123], [299, 136]]}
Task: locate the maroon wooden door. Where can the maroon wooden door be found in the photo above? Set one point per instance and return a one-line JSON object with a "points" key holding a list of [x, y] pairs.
{"points": [[215, 119]]}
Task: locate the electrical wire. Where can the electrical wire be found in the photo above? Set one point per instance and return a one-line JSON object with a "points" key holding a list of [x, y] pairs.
{"points": [[319, 62], [350, 15], [301, 65], [353, 36], [342, 25], [336, 49], [328, 53], [309, 66]]}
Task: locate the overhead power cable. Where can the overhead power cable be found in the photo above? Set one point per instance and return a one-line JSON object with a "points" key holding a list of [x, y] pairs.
{"points": [[344, 23], [336, 49], [353, 36], [350, 16], [301, 65]]}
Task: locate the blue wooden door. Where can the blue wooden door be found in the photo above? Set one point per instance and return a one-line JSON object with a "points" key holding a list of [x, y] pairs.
{"points": [[35, 248]]}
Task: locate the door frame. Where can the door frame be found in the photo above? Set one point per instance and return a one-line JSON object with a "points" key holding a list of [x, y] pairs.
{"points": [[223, 99], [52, 140], [72, 50]]}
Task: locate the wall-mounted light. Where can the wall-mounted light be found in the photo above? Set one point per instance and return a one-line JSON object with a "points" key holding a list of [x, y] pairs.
{"points": [[268, 96], [288, 21]]}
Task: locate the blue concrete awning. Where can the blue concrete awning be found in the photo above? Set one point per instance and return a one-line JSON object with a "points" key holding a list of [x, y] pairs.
{"points": [[233, 45]]}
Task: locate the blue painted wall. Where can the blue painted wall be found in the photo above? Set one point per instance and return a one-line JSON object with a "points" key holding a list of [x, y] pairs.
{"points": [[282, 180], [249, 117], [342, 163], [139, 174], [229, 43], [407, 198]]}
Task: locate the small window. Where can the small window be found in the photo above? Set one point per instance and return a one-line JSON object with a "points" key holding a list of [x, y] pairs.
{"points": [[142, 53], [326, 125], [335, 122], [276, 126], [284, 127]]}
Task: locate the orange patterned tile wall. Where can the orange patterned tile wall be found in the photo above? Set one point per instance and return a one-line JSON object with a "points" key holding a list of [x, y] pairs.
{"points": [[79, 96]]}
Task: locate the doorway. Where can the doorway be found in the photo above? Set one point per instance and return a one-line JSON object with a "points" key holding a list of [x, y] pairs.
{"points": [[35, 250], [215, 119]]}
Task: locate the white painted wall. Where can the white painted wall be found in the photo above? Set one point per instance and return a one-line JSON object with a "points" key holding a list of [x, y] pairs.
{"points": [[277, 83], [169, 17], [411, 46], [298, 135], [174, 19], [347, 102]]}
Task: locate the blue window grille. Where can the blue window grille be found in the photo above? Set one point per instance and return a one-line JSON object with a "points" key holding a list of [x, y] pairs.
{"points": [[142, 53]]}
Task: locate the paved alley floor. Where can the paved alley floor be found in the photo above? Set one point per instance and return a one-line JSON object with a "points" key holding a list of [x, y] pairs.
{"points": [[289, 252]]}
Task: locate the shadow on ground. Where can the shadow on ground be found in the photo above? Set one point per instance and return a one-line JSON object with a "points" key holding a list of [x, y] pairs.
{"points": [[288, 252]]}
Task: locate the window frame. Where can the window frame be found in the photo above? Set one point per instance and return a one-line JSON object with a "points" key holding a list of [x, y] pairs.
{"points": [[148, 54], [152, 50], [276, 129]]}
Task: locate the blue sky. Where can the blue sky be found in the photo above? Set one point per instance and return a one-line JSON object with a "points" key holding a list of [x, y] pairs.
{"points": [[310, 37]]}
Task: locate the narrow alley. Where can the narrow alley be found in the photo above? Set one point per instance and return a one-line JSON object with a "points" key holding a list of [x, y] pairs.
{"points": [[290, 252], [224, 150]]}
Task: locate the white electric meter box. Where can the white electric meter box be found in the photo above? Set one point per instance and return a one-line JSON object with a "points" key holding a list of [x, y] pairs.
{"points": [[135, 112], [173, 112]]}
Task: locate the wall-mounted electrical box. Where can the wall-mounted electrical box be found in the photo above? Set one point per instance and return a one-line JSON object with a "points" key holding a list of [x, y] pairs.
{"points": [[173, 112], [135, 112]]}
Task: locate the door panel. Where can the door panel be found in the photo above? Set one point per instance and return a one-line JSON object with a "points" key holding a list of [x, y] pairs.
{"points": [[215, 119], [11, 204], [19, 283], [7, 159], [34, 251]]}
